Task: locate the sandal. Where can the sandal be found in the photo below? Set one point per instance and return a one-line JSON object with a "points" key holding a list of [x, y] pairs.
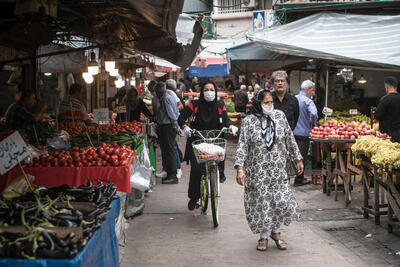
{"points": [[280, 243], [262, 245]]}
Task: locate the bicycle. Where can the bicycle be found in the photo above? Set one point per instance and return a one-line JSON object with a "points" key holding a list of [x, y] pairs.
{"points": [[210, 151]]}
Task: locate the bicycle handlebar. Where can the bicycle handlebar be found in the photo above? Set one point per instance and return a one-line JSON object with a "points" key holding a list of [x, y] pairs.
{"points": [[223, 130]]}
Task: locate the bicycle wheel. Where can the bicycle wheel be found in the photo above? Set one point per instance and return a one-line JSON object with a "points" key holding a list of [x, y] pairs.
{"points": [[214, 186], [203, 194]]}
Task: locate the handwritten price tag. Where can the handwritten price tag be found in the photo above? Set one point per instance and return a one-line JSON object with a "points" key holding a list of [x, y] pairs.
{"points": [[353, 111], [120, 109], [101, 114], [327, 111], [12, 150]]}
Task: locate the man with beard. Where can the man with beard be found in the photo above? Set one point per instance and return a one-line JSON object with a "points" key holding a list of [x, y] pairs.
{"points": [[282, 100]]}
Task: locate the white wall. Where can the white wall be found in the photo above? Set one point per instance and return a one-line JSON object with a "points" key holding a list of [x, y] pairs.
{"points": [[233, 26]]}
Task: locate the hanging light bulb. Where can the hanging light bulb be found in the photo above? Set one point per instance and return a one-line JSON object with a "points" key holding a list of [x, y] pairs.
{"points": [[119, 83], [110, 65], [86, 75], [114, 72], [93, 66], [89, 79], [362, 80]]}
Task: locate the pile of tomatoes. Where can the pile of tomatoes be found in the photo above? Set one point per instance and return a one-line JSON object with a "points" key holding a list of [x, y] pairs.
{"points": [[73, 129], [105, 155]]}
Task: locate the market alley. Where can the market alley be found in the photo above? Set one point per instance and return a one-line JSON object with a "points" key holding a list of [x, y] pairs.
{"points": [[328, 234]]}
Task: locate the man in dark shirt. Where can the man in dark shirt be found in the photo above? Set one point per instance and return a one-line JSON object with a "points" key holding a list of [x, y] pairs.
{"points": [[195, 84], [388, 110], [229, 86], [241, 99], [282, 100], [19, 116]]}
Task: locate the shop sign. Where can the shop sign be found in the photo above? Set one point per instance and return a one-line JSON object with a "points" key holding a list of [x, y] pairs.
{"points": [[101, 115], [12, 150], [258, 20]]}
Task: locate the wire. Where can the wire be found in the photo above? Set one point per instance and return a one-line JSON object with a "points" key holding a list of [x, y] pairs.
{"points": [[211, 5]]}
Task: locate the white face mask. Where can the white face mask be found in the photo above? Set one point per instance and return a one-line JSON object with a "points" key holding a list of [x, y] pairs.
{"points": [[267, 109], [209, 96]]}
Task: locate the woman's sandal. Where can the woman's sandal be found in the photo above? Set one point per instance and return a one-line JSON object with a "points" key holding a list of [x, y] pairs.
{"points": [[280, 243], [262, 245]]}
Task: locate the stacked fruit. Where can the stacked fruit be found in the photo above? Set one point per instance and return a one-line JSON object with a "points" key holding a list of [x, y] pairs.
{"points": [[105, 155], [339, 130], [345, 117], [383, 153], [74, 129]]}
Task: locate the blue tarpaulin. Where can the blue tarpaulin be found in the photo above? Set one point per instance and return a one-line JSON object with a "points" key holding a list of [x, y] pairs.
{"points": [[212, 70], [101, 250]]}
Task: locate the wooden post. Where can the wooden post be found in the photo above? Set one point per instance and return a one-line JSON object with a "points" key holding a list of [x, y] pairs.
{"points": [[36, 136], [25, 176]]}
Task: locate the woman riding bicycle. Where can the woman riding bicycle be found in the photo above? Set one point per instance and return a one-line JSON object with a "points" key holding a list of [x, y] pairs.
{"points": [[207, 113]]}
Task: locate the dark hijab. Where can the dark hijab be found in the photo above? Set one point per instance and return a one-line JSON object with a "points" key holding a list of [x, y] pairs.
{"points": [[267, 124], [207, 115]]}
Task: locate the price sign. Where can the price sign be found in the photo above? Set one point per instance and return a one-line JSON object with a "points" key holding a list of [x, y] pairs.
{"points": [[101, 114], [12, 150], [120, 109], [353, 111], [327, 111]]}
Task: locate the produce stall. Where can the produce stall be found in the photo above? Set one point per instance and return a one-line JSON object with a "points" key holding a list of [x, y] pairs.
{"points": [[60, 226], [381, 167], [336, 140]]}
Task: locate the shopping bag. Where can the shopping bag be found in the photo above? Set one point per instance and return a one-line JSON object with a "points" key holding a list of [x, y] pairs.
{"points": [[140, 177]]}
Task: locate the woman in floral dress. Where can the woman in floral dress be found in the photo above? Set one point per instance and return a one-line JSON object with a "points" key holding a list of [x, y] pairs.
{"points": [[265, 143]]}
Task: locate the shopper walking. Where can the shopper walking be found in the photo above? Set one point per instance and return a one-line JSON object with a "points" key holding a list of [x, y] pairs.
{"points": [[208, 113], [265, 142], [241, 99], [167, 119], [388, 110], [282, 99], [308, 116]]}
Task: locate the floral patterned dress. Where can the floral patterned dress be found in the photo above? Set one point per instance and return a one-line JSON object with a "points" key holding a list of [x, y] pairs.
{"points": [[268, 199]]}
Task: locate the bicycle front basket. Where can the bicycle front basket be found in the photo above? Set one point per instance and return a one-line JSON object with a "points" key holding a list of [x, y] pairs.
{"points": [[211, 149]]}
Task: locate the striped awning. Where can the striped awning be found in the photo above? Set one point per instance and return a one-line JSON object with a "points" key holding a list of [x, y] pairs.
{"points": [[348, 38]]}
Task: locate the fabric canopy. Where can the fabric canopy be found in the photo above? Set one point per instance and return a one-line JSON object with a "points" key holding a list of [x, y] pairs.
{"points": [[251, 57], [362, 40]]}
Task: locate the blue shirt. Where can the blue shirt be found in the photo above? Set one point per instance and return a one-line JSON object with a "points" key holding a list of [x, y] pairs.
{"points": [[168, 112], [308, 115]]}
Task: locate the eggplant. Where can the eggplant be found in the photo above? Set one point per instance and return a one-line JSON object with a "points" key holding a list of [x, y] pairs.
{"points": [[48, 240]]}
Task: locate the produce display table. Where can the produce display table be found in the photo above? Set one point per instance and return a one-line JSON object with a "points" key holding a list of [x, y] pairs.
{"points": [[101, 250], [343, 168], [371, 176], [75, 176], [393, 197]]}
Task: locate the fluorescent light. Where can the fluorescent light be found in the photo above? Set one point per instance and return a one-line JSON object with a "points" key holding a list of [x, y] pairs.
{"points": [[47, 74]]}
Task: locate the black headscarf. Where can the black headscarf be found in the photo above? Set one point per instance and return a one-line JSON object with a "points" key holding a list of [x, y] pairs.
{"points": [[207, 115], [268, 129]]}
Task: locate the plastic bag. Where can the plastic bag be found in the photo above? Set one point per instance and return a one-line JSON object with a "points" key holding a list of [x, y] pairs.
{"points": [[34, 153], [60, 141], [140, 177], [17, 187]]}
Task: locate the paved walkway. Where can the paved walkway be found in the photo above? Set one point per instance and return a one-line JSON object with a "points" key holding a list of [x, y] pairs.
{"points": [[167, 234]]}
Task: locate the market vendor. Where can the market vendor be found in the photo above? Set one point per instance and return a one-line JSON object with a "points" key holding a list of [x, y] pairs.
{"points": [[135, 105], [387, 112], [72, 108], [20, 116]]}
